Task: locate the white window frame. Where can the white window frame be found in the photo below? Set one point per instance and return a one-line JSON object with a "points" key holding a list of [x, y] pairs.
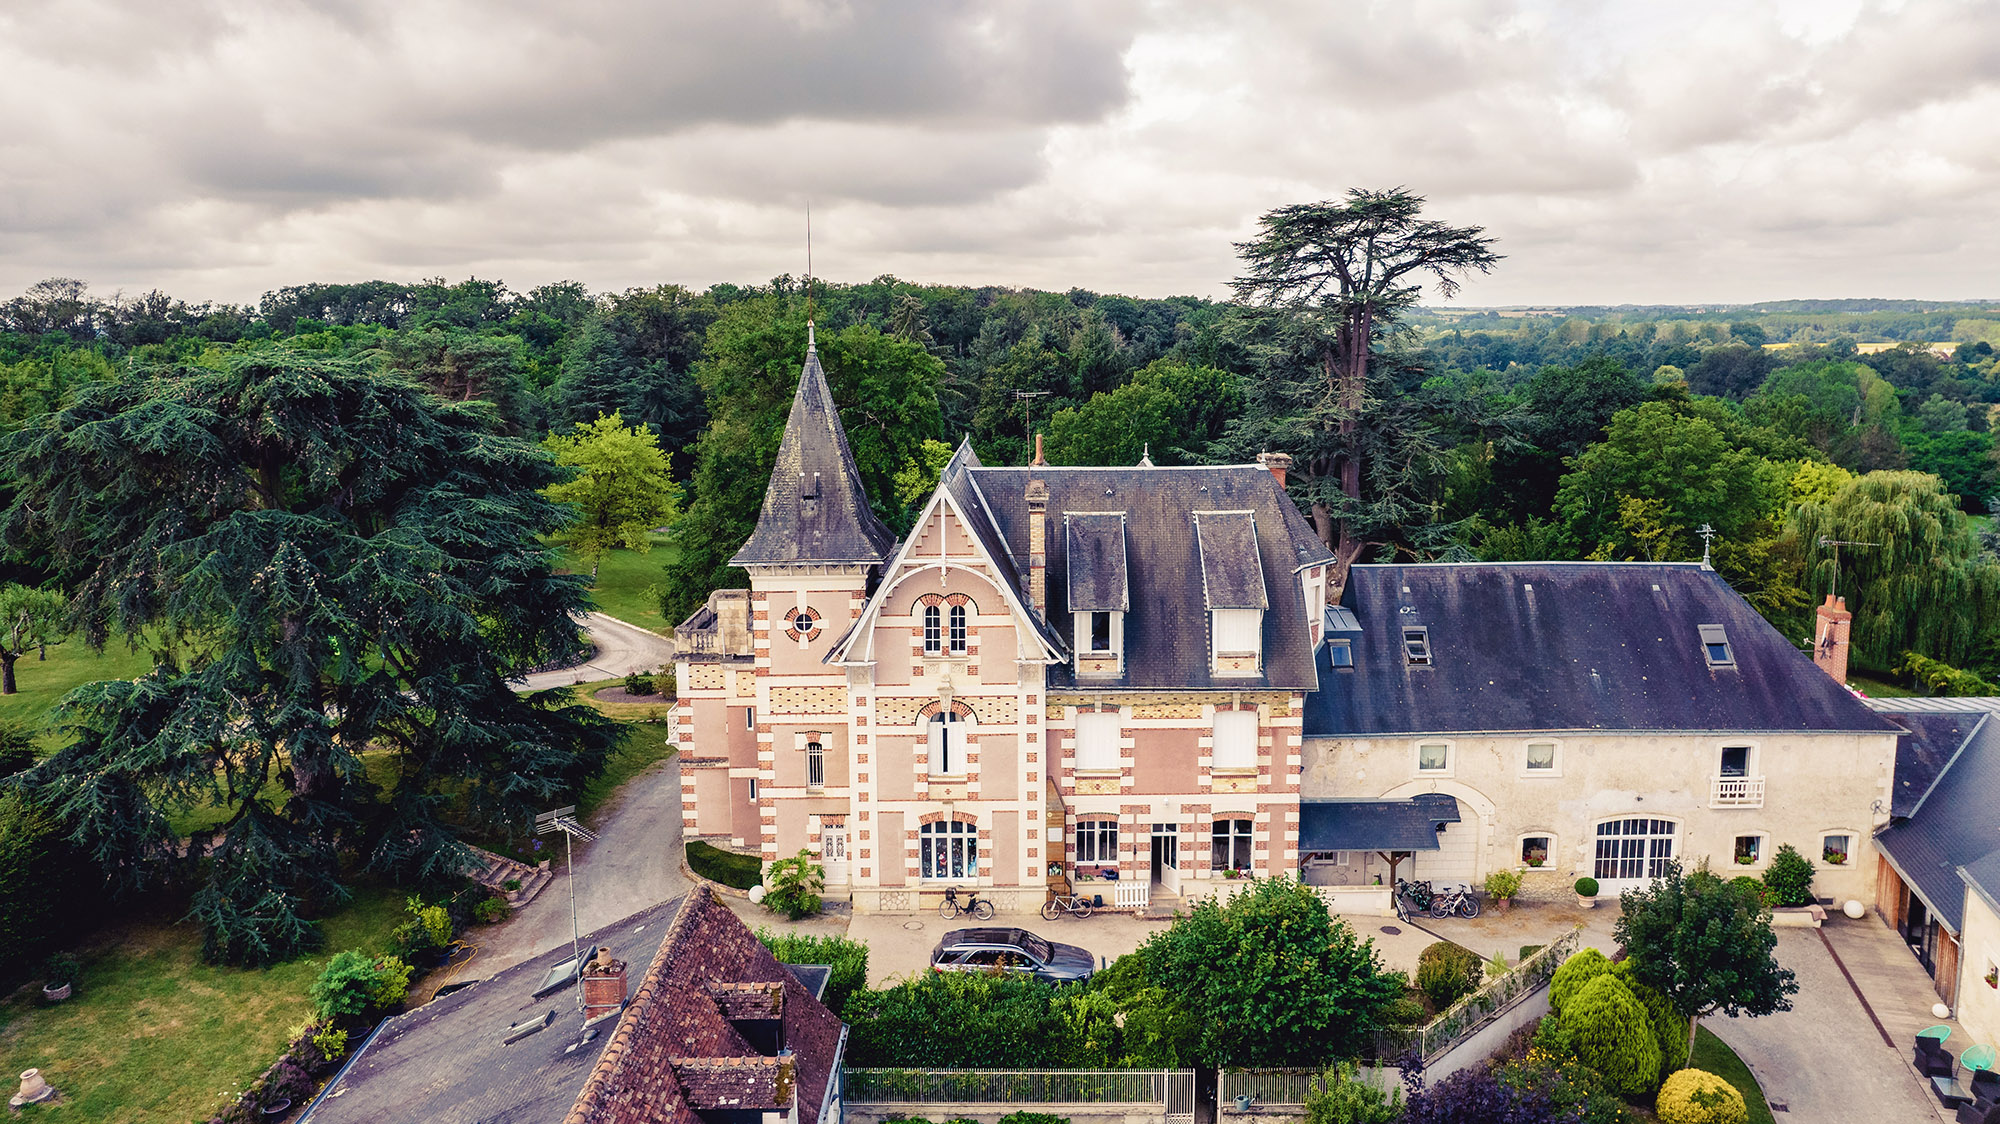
{"points": [[1086, 647], [1764, 849], [1751, 762], [753, 790], [1100, 740], [955, 630], [1853, 845], [1245, 840], [1416, 640], [935, 847], [946, 740], [1234, 633], [1555, 768], [811, 622], [933, 629], [815, 765], [1521, 846], [1648, 861], [1230, 751], [1094, 834], [1450, 758]]}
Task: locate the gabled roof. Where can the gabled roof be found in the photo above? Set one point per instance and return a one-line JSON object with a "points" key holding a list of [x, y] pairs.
{"points": [[815, 509], [450, 1061], [1552, 646], [1096, 547], [1922, 753], [1232, 571], [1954, 824], [1166, 627], [1407, 824]]}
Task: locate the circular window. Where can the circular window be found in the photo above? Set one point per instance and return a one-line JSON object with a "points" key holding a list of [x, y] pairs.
{"points": [[803, 622]]}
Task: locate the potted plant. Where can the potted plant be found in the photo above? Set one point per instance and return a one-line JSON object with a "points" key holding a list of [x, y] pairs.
{"points": [[62, 970], [1993, 977], [1231, 872], [1501, 886], [1586, 892], [1745, 860], [1536, 861], [1834, 857]]}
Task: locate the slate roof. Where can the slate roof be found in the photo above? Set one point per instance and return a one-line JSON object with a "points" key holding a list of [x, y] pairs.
{"points": [[1983, 876], [1096, 547], [1956, 823], [1580, 646], [1375, 825], [1923, 752], [1231, 574], [814, 508], [1166, 626], [448, 1061]]}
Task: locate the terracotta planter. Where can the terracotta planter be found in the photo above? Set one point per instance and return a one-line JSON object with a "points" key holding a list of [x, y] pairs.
{"points": [[1501, 905], [54, 993], [1587, 903]]}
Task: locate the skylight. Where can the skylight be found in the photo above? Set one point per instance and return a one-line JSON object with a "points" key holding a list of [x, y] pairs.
{"points": [[1715, 645], [1417, 645]]}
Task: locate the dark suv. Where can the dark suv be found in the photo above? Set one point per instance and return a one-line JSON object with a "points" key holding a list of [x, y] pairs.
{"points": [[1012, 950]]}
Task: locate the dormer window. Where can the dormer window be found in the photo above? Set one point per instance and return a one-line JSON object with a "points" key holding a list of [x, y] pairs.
{"points": [[1100, 632], [1237, 640], [1715, 645], [1094, 543], [1100, 642], [1232, 584], [1417, 646]]}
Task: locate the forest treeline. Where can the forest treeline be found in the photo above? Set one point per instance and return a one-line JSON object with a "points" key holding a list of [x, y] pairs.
{"points": [[1612, 433]]}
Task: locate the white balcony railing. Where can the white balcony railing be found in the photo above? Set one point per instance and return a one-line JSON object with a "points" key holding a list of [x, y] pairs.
{"points": [[1738, 792], [1131, 895]]}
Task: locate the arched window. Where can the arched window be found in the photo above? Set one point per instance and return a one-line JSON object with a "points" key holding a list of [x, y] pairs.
{"points": [[947, 744], [933, 631], [950, 849], [1634, 848], [958, 629]]}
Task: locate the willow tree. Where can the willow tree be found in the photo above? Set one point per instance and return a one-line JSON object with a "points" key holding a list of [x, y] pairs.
{"points": [[330, 562], [1338, 276], [1916, 580]]}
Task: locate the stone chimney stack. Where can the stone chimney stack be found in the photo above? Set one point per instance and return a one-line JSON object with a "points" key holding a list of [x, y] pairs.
{"points": [[1038, 543], [1278, 463], [603, 986], [1830, 642]]}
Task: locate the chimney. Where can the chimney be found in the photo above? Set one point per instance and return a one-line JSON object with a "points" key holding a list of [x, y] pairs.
{"points": [[1278, 463], [1038, 453], [1830, 645], [603, 986], [1038, 542]]}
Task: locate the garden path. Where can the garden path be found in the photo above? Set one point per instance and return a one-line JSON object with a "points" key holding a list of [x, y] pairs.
{"points": [[621, 648]]}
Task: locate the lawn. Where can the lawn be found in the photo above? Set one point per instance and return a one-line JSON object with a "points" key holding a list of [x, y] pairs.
{"points": [[1880, 688], [154, 1036], [628, 583], [646, 745], [1715, 1056], [70, 665]]}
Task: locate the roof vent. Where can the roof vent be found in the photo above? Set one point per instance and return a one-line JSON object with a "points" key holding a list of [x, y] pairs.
{"points": [[520, 1030]]}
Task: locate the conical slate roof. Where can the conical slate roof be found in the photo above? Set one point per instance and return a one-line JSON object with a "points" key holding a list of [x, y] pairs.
{"points": [[815, 509]]}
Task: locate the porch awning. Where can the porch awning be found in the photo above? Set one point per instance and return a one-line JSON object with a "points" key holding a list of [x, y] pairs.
{"points": [[1409, 824]]}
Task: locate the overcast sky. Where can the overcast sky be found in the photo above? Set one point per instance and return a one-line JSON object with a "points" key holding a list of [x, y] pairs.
{"points": [[1658, 152]]}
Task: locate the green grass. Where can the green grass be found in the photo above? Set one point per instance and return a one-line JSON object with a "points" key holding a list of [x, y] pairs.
{"points": [[1715, 1056], [1880, 688], [154, 1036], [628, 583], [646, 745], [740, 871], [69, 666]]}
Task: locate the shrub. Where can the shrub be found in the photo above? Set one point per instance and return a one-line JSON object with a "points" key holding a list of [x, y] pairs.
{"points": [[1582, 967], [1790, 877], [1586, 887], [17, 748], [1503, 884], [490, 911], [664, 684], [354, 983], [1693, 1096], [331, 1042], [512, 885], [994, 1021], [1403, 1012], [1447, 973], [726, 867], [848, 959], [1755, 888], [1575, 1091], [637, 684], [1033, 1118], [41, 883], [1479, 1094], [1339, 1097], [62, 968], [795, 885], [1608, 1030], [429, 927], [1670, 1027]]}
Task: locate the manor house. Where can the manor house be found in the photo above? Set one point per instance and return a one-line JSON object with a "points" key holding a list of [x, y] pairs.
{"points": [[1133, 678]]}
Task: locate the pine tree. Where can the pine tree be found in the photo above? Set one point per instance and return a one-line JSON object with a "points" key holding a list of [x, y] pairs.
{"points": [[331, 562]]}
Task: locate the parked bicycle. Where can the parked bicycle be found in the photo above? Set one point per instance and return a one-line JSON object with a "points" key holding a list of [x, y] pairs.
{"points": [[1059, 904], [1412, 898], [1457, 898], [974, 904]]}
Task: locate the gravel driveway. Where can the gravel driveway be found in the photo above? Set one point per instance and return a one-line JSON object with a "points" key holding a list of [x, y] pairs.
{"points": [[621, 648]]}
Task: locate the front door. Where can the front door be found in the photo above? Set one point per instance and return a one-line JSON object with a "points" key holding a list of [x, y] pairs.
{"points": [[833, 853], [1167, 856]]}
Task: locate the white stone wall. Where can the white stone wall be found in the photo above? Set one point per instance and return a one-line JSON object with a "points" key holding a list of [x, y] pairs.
{"points": [[1979, 951], [1814, 785]]}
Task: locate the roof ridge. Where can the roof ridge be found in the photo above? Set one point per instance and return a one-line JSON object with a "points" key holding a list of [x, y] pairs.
{"points": [[643, 998]]}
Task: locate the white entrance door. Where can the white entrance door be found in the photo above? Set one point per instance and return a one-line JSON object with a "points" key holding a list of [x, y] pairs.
{"points": [[833, 853], [1166, 869], [1631, 852]]}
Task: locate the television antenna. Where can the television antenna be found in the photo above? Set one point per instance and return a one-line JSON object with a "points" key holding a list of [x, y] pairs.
{"points": [[563, 821], [1027, 400], [1836, 544]]}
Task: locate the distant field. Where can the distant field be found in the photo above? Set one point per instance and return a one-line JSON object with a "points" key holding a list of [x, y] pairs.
{"points": [[1881, 688], [69, 666], [628, 584]]}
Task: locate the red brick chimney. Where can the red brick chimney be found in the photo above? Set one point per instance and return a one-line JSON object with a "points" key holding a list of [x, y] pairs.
{"points": [[1830, 639], [603, 986], [1278, 463]]}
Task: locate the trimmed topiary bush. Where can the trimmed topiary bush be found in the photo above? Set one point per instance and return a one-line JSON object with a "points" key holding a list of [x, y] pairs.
{"points": [[1581, 967], [1693, 1096], [1790, 877], [1670, 1027], [1608, 1030], [1586, 887]]}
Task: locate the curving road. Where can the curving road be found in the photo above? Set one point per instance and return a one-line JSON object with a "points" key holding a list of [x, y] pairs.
{"points": [[621, 648]]}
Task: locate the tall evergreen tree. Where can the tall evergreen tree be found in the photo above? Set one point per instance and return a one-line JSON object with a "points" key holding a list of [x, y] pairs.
{"points": [[1342, 274], [331, 562]]}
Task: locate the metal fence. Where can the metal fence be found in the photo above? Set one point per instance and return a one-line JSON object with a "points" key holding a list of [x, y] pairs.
{"points": [[1463, 1018], [1171, 1089], [1286, 1088]]}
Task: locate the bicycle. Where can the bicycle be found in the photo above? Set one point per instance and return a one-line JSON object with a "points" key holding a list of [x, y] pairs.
{"points": [[1412, 898], [1456, 899], [974, 904], [1059, 904]]}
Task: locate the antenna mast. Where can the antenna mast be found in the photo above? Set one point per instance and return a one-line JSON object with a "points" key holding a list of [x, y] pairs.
{"points": [[1836, 544]]}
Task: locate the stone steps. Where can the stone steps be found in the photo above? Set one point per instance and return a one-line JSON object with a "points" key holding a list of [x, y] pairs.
{"points": [[498, 870]]}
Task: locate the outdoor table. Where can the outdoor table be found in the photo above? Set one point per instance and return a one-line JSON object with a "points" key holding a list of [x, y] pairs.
{"points": [[1949, 1092]]}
